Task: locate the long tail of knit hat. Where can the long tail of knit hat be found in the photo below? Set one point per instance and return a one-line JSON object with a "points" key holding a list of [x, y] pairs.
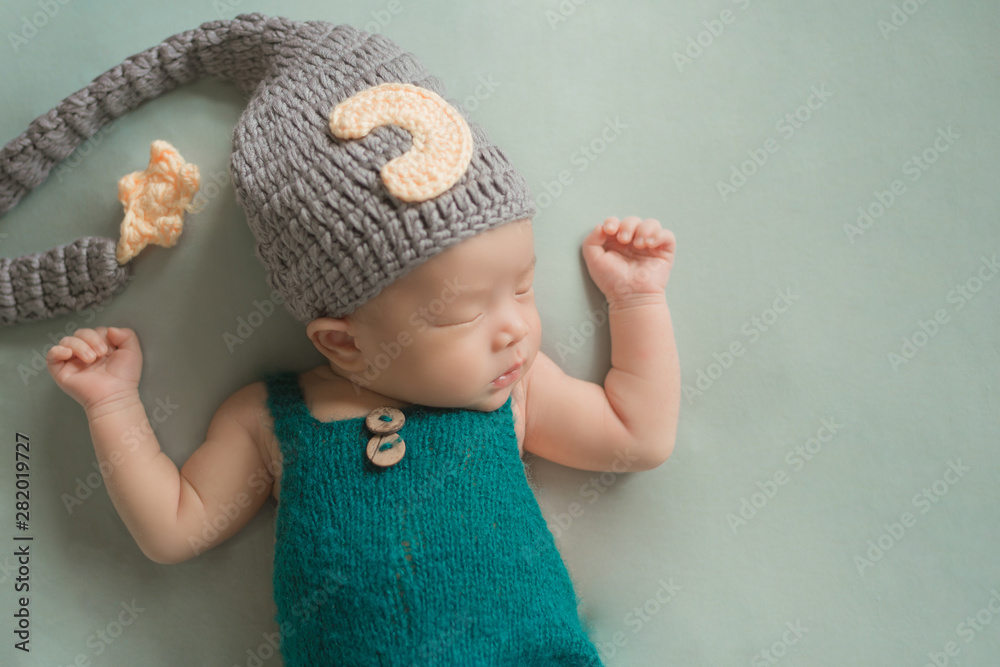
{"points": [[334, 224]]}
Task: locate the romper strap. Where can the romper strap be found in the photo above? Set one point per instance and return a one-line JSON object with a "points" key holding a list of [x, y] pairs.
{"points": [[283, 392], [286, 402]]}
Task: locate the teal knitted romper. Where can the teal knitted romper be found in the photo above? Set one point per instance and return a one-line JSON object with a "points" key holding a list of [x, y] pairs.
{"points": [[441, 559]]}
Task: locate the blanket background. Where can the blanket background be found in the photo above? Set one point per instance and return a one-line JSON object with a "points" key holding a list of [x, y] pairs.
{"points": [[830, 171]]}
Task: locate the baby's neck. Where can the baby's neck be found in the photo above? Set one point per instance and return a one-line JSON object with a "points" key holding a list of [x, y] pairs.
{"points": [[344, 387]]}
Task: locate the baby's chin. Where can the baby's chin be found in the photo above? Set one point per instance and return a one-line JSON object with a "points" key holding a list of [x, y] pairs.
{"points": [[497, 398], [494, 404], [490, 401]]}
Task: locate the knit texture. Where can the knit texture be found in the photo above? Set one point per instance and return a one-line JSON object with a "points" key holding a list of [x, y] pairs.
{"points": [[329, 232], [76, 276], [442, 559]]}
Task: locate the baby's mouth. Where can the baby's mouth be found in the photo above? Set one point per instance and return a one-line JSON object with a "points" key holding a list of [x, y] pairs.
{"points": [[509, 376]]}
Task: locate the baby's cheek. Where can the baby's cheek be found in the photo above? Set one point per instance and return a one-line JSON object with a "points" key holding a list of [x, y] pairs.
{"points": [[444, 360], [535, 335]]}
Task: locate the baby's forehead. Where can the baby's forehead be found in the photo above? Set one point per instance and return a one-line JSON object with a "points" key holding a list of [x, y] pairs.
{"points": [[470, 266], [476, 260]]}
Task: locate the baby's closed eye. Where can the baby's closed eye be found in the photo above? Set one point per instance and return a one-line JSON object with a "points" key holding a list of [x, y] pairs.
{"points": [[461, 317], [455, 324]]}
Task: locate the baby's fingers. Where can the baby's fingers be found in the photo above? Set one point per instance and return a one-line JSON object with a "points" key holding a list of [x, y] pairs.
{"points": [[610, 226], [96, 339], [626, 229], [662, 238], [58, 353], [645, 233], [76, 348], [84, 344]]}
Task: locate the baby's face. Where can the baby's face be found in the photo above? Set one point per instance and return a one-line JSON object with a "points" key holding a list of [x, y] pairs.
{"points": [[443, 333]]}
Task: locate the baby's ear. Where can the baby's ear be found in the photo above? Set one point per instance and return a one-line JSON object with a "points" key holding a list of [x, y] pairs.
{"points": [[334, 338]]}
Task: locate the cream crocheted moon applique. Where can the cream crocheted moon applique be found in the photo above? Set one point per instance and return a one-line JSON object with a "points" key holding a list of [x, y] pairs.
{"points": [[442, 142]]}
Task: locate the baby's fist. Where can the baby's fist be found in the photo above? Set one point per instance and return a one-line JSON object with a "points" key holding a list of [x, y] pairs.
{"points": [[96, 366], [629, 259]]}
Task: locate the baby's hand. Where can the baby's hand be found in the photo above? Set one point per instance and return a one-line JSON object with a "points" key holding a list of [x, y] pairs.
{"points": [[96, 366], [629, 258]]}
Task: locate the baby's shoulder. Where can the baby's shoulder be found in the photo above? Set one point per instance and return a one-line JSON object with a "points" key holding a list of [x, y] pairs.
{"points": [[249, 405]]}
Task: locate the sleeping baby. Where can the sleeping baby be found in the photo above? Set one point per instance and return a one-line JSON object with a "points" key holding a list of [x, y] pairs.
{"points": [[401, 237]]}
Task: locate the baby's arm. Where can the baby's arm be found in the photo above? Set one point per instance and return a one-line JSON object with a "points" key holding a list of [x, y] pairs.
{"points": [[630, 423], [173, 515]]}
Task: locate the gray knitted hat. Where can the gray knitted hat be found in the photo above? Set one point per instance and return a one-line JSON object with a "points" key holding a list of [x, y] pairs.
{"points": [[351, 166]]}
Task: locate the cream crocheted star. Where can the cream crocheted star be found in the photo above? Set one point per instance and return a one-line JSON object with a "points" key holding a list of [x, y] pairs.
{"points": [[155, 201]]}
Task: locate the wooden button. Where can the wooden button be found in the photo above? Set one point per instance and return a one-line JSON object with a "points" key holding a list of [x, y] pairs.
{"points": [[385, 420], [386, 449]]}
